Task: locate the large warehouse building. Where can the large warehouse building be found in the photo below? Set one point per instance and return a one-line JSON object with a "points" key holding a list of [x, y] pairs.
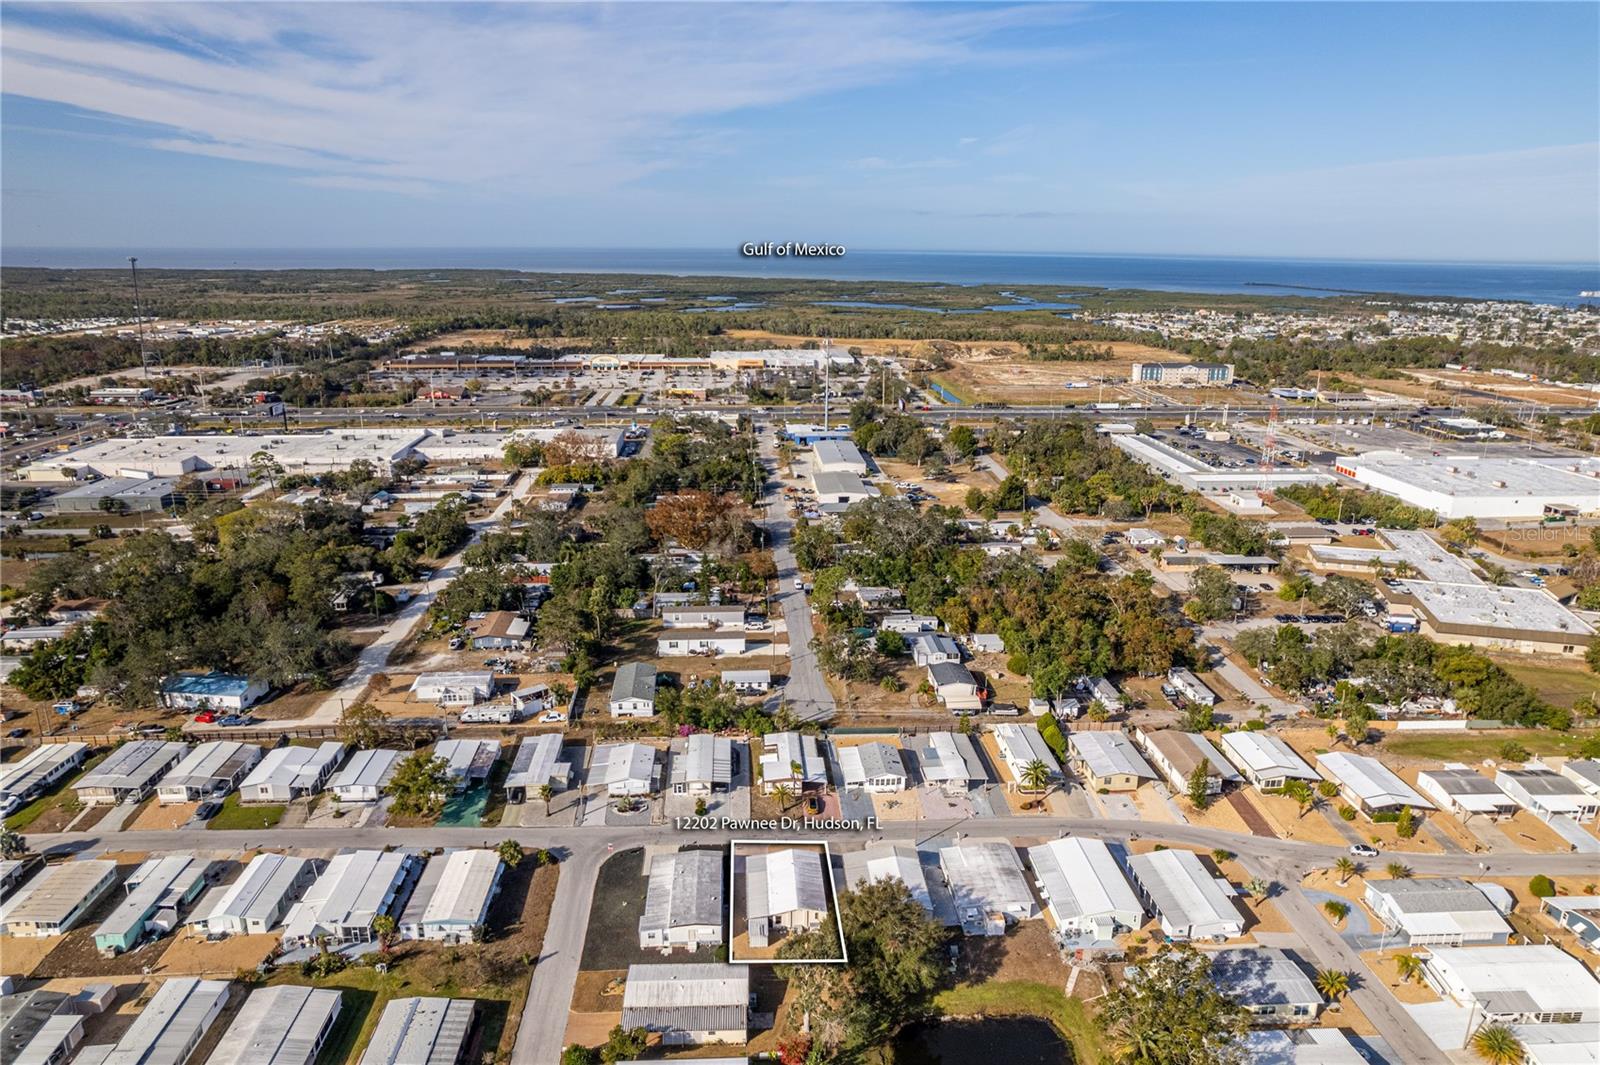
{"points": [[1480, 486]]}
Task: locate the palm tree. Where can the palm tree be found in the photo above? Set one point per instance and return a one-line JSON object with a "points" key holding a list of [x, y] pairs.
{"points": [[510, 852], [1301, 793], [1398, 870], [1334, 983], [1035, 776], [1498, 1045], [546, 792], [1346, 869], [1336, 909], [13, 845], [383, 928], [1408, 966], [784, 794]]}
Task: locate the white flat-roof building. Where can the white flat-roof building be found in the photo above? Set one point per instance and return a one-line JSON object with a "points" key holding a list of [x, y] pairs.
{"points": [[1186, 898], [687, 1004], [1437, 911], [1265, 760], [1477, 614], [214, 691], [702, 764], [471, 761], [626, 769], [792, 760], [364, 777], [838, 456], [228, 454], [875, 767], [1021, 746], [1465, 791], [169, 1027], [129, 773], [421, 1031], [1368, 784], [537, 763], [1546, 794], [289, 773], [454, 689], [280, 1025], [841, 487], [950, 760], [1478, 486], [210, 771], [785, 892], [1084, 889], [351, 892], [683, 902], [1584, 772], [452, 897], [1301, 1046], [255, 902], [58, 898], [1267, 983], [1183, 468], [1107, 760], [908, 624], [33, 774], [1532, 985], [1178, 754], [987, 886]]}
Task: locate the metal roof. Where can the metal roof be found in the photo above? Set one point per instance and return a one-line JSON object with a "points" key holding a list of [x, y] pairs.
{"points": [[1547, 978], [28, 772], [705, 758], [353, 890], [685, 891], [1300, 1046], [295, 767], [1262, 976], [278, 1025], [1439, 905], [465, 886], [260, 890], [949, 757], [420, 1031], [367, 769], [175, 1018], [747, 676], [871, 761], [1542, 782], [133, 765], [50, 897], [891, 861], [1586, 771], [943, 673], [536, 762], [634, 680], [625, 763], [157, 881], [1021, 744], [1185, 750], [211, 762], [1466, 788], [784, 881], [1081, 878], [691, 997], [1182, 890], [936, 643], [781, 750], [837, 452], [986, 877], [1266, 756], [468, 758], [1369, 779], [1109, 754], [209, 685]]}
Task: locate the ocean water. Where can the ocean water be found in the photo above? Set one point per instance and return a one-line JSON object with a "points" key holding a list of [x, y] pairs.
{"points": [[1540, 283]]}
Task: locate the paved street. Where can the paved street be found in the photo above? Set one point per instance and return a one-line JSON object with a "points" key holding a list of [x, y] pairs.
{"points": [[806, 693]]}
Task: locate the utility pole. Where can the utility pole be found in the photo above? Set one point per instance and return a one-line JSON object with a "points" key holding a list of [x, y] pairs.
{"points": [[827, 379], [138, 314]]}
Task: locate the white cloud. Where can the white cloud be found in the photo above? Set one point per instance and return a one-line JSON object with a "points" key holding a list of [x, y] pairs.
{"points": [[523, 99]]}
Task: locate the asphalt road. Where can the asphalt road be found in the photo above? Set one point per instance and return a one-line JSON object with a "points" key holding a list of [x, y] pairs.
{"points": [[806, 694]]}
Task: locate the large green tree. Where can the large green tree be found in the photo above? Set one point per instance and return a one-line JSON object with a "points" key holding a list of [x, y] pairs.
{"points": [[1168, 1011]]}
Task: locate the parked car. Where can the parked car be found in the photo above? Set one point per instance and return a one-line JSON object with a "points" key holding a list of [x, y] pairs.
{"points": [[235, 720], [1361, 850], [204, 717], [207, 810]]}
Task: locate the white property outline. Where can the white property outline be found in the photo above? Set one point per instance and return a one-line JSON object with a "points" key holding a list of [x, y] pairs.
{"points": [[833, 894]]}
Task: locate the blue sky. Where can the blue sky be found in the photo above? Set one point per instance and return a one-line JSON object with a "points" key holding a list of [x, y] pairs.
{"points": [[1427, 131]]}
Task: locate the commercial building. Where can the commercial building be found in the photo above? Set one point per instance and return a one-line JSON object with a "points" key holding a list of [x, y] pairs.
{"points": [[626, 769], [792, 760], [421, 1031], [683, 902], [452, 897], [118, 495], [279, 1025], [155, 894], [470, 761], [255, 902], [1267, 982], [129, 773], [875, 767], [1178, 754], [354, 889], [170, 1026], [57, 899], [1532, 985], [838, 456], [212, 691], [807, 434], [454, 689], [1187, 899], [841, 488], [1265, 760], [1022, 745], [1107, 761], [1084, 889], [210, 771], [229, 454], [1437, 911], [702, 764], [633, 691], [785, 893], [1464, 791], [1547, 795], [36, 772], [364, 777], [1477, 614], [1181, 374], [987, 886], [1368, 784], [289, 773], [950, 760], [677, 642], [1478, 486], [536, 764], [1184, 469], [689, 1004]]}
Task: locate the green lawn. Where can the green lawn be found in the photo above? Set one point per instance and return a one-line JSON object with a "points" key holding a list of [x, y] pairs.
{"points": [[234, 816], [1025, 998], [1559, 685], [19, 821], [1475, 746]]}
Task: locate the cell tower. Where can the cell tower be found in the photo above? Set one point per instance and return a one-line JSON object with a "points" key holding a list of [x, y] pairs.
{"points": [[1269, 444], [138, 315]]}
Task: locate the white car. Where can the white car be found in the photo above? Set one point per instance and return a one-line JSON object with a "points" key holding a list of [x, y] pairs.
{"points": [[799, 585], [552, 717]]}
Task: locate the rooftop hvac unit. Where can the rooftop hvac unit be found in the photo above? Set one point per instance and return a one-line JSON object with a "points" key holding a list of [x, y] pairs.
{"points": [[1499, 484]]}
